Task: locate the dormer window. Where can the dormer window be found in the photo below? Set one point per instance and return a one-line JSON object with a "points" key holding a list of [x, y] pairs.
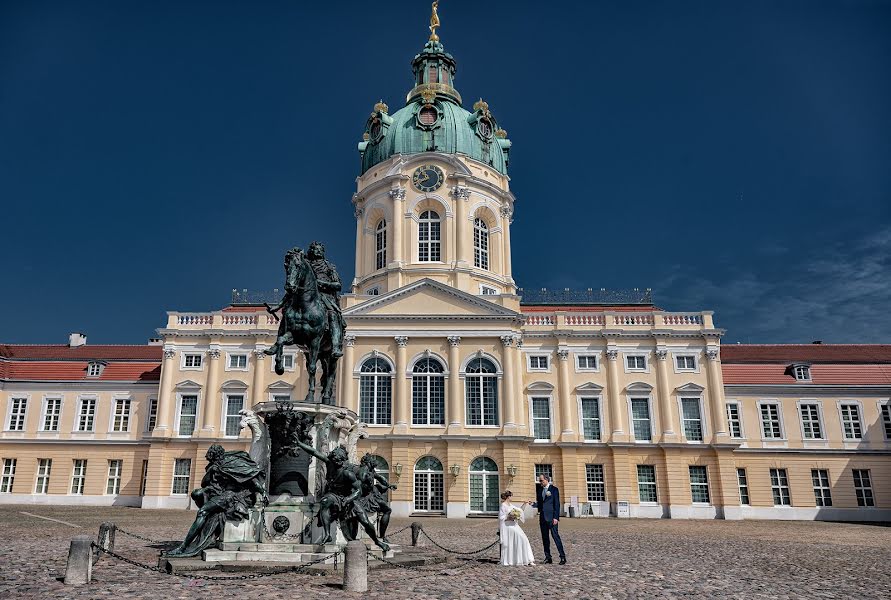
{"points": [[801, 372], [94, 369]]}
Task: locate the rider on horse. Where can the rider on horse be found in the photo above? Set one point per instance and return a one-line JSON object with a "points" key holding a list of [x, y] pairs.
{"points": [[328, 282]]}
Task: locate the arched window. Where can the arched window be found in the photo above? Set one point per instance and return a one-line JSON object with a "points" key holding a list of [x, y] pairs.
{"points": [[480, 244], [428, 393], [481, 392], [375, 392], [428, 237], [484, 489], [429, 485], [380, 257]]}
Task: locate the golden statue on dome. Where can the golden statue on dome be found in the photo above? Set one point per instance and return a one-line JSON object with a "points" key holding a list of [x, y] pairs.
{"points": [[434, 22]]}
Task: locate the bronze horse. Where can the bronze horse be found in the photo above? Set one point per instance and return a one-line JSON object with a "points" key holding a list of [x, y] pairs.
{"points": [[304, 323]]}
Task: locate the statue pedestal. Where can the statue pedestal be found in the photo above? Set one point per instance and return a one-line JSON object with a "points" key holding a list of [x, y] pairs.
{"points": [[248, 530]]}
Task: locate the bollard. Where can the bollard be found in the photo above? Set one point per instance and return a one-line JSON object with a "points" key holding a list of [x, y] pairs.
{"points": [[79, 570], [415, 533], [106, 537], [355, 567]]}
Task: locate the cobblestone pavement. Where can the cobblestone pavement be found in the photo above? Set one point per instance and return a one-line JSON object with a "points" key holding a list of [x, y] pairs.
{"points": [[608, 558]]}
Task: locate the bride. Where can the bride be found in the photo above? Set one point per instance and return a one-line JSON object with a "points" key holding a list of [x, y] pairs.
{"points": [[515, 548]]}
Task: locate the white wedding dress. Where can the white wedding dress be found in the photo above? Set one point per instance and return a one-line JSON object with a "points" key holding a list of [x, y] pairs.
{"points": [[515, 547]]}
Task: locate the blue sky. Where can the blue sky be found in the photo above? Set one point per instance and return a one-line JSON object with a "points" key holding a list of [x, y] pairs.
{"points": [[733, 156]]}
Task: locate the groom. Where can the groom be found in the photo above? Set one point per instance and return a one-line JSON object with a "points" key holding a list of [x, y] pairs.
{"points": [[548, 505]]}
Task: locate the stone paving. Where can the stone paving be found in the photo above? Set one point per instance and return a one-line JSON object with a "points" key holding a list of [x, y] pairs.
{"points": [[608, 558]]}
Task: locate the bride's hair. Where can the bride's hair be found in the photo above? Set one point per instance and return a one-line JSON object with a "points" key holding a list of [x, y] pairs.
{"points": [[506, 494]]}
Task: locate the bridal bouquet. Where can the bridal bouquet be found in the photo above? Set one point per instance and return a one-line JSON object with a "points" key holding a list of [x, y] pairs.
{"points": [[515, 514]]}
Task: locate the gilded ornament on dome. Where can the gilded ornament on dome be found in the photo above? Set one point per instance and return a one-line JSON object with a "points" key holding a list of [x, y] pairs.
{"points": [[500, 133], [481, 105], [434, 21], [380, 107], [366, 136], [428, 95]]}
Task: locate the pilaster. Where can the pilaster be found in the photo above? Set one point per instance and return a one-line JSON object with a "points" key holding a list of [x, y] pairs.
{"points": [[454, 409], [664, 394], [212, 400], [567, 433], [166, 398], [400, 414]]}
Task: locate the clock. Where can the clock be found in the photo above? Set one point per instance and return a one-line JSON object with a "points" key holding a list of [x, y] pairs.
{"points": [[428, 178]]}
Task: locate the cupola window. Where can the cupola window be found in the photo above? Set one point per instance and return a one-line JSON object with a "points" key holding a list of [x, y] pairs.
{"points": [[428, 115], [380, 259], [429, 237], [480, 244]]}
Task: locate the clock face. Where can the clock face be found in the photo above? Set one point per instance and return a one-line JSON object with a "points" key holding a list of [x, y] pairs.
{"points": [[428, 178]]}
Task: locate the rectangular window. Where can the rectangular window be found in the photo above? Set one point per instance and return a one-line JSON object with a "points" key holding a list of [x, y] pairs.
{"points": [[541, 418], [281, 397], [636, 363], [17, 414], [188, 412], [853, 428], [863, 487], [8, 478], [640, 417], [734, 421], [78, 476], [182, 471], [44, 467], [595, 483], [685, 363], [234, 403], [152, 415], [886, 420], [699, 484], [743, 483], [192, 361], [543, 469], [822, 494], [485, 290], [646, 483], [94, 369], [810, 422], [287, 361], [770, 421], [51, 413], [692, 416], [238, 361], [121, 420], [591, 419], [144, 481], [586, 362], [86, 418], [779, 485], [538, 363], [113, 486]]}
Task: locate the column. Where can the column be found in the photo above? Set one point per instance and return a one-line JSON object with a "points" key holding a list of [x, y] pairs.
{"points": [[509, 397], [400, 395], [360, 244], [716, 392], [507, 216], [567, 433], [454, 412], [258, 387], [615, 406], [397, 196], [211, 393], [665, 413], [166, 398], [519, 368], [348, 397], [461, 194]]}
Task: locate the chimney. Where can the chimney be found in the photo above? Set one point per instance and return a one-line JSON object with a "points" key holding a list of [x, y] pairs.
{"points": [[76, 339], [817, 342], [155, 342]]}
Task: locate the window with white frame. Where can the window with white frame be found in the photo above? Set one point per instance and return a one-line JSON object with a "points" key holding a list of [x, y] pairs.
{"points": [[375, 392], [429, 237], [822, 493], [234, 403], [743, 483], [78, 476], [811, 427], [374, 291], [287, 362], [590, 408], [488, 290], [44, 467], [801, 372], [380, 245], [182, 472], [771, 426], [851, 424], [538, 362], [281, 397], [8, 478], [484, 488], [113, 485], [699, 484], [480, 244], [144, 480], [121, 418], [543, 469], [481, 392], [188, 413], [541, 418], [595, 483], [640, 419], [886, 420], [646, 483], [192, 360], [635, 362], [238, 362], [586, 362], [685, 362], [779, 486], [691, 413], [52, 411], [734, 420], [152, 419], [863, 487], [428, 392], [94, 369], [17, 412], [86, 417], [429, 485]]}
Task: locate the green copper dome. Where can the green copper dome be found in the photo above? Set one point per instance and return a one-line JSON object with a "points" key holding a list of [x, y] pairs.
{"points": [[433, 119]]}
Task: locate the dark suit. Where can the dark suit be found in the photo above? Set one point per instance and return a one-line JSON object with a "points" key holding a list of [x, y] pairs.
{"points": [[549, 509]]}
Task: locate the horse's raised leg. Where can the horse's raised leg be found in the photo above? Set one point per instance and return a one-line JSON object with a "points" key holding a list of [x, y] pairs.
{"points": [[312, 357], [277, 349]]}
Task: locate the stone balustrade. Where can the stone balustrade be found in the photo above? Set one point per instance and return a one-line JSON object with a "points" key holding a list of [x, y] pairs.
{"points": [[610, 320]]}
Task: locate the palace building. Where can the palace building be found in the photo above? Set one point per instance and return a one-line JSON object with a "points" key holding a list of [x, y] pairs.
{"points": [[468, 384]]}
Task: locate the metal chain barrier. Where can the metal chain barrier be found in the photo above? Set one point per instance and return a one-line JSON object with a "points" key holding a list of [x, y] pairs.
{"points": [[140, 537], [449, 550], [419, 568], [398, 531], [277, 536], [295, 569]]}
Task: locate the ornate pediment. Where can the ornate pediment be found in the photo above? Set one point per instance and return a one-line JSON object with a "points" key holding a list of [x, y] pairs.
{"points": [[589, 387]]}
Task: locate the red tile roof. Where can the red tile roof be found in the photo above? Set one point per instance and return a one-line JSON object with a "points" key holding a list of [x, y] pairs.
{"points": [[85, 352], [56, 362], [820, 374], [807, 353]]}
